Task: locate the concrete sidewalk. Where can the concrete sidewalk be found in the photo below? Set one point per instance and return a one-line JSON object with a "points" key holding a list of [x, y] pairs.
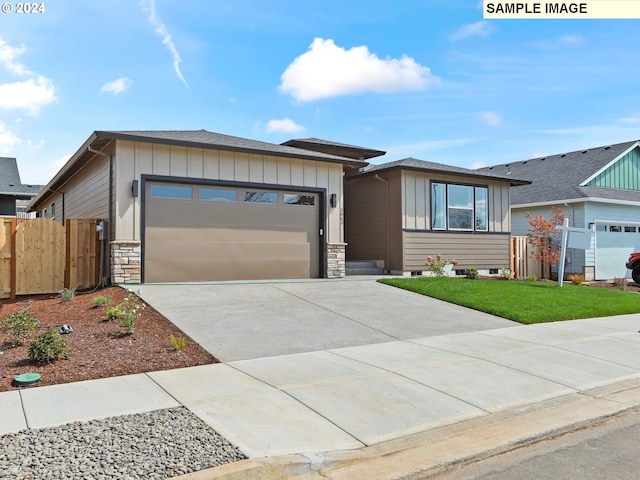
{"points": [[349, 402], [354, 379]]}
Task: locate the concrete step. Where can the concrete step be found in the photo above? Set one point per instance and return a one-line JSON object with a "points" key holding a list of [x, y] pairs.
{"points": [[363, 267]]}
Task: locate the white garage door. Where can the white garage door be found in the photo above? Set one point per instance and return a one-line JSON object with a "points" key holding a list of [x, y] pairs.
{"points": [[614, 243], [209, 232]]}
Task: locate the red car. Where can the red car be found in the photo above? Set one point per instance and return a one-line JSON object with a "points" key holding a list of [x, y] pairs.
{"points": [[633, 264]]}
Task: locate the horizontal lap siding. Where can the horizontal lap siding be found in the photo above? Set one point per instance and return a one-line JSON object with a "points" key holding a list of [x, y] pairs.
{"points": [[87, 195], [482, 251]]}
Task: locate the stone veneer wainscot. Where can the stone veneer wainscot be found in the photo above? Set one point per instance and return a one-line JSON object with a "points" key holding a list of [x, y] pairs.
{"points": [[336, 266], [125, 261]]}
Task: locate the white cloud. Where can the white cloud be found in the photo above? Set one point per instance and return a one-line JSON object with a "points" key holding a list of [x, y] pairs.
{"points": [[7, 140], [29, 95], [493, 119], [419, 149], [62, 160], [633, 117], [566, 40], [286, 125], [478, 29], [149, 6], [570, 39], [327, 70], [478, 164], [116, 86], [8, 56]]}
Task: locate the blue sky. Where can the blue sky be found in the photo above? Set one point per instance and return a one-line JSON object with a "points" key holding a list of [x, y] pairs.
{"points": [[428, 79]]}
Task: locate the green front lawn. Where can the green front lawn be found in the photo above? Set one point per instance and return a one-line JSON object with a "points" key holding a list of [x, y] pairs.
{"points": [[524, 301]]}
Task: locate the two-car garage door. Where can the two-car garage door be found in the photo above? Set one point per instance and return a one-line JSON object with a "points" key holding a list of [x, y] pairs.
{"points": [[225, 232]]}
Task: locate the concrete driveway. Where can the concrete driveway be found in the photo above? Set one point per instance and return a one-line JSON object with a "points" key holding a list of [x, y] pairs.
{"points": [[247, 320]]}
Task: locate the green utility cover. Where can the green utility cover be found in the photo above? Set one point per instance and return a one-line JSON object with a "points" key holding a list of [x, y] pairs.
{"points": [[27, 378]]}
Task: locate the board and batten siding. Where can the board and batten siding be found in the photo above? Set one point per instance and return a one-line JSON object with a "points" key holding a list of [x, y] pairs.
{"points": [[416, 208], [134, 159]]}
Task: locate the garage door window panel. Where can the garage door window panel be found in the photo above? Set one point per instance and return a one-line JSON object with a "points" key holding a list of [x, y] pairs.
{"points": [[218, 194], [172, 191], [299, 199], [253, 196]]}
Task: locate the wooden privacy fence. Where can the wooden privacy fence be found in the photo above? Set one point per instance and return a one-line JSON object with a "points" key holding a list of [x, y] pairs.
{"points": [[42, 256], [522, 265]]}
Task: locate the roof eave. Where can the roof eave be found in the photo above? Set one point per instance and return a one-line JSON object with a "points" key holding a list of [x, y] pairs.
{"points": [[64, 173], [227, 148], [574, 200], [512, 182]]}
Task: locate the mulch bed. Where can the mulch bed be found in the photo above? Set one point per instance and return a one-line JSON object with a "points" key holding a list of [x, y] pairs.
{"points": [[98, 347]]}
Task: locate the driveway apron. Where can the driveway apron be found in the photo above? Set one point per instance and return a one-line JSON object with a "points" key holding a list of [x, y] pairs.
{"points": [[240, 321]]}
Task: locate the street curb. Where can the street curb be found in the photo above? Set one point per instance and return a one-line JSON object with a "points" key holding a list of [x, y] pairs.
{"points": [[429, 453]]}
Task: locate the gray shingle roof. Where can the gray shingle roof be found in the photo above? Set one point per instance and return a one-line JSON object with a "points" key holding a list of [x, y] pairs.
{"points": [[206, 139], [433, 167], [558, 177], [10, 183]]}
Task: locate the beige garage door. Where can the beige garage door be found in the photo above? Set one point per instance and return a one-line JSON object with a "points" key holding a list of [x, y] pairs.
{"points": [[197, 233]]}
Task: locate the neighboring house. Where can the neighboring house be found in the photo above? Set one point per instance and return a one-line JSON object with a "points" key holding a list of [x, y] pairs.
{"points": [[12, 191], [197, 206], [401, 212], [597, 186]]}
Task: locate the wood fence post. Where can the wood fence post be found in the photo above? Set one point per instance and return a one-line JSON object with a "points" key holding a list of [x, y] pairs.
{"points": [[14, 259]]}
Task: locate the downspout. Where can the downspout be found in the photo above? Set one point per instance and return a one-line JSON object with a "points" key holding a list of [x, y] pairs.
{"points": [[101, 281], [388, 260]]}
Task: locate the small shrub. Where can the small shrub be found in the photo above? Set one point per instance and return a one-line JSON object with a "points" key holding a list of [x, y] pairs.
{"points": [[48, 347], [532, 278], [576, 279], [621, 283], [471, 273], [505, 273], [67, 294], [101, 302], [177, 343], [130, 314], [113, 313], [20, 327], [438, 265]]}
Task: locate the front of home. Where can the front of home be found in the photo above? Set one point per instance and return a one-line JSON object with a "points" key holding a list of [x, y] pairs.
{"points": [[595, 188], [196, 205], [190, 206]]}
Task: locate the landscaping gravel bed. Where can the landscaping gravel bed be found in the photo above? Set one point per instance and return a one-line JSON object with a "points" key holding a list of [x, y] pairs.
{"points": [[154, 445]]}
